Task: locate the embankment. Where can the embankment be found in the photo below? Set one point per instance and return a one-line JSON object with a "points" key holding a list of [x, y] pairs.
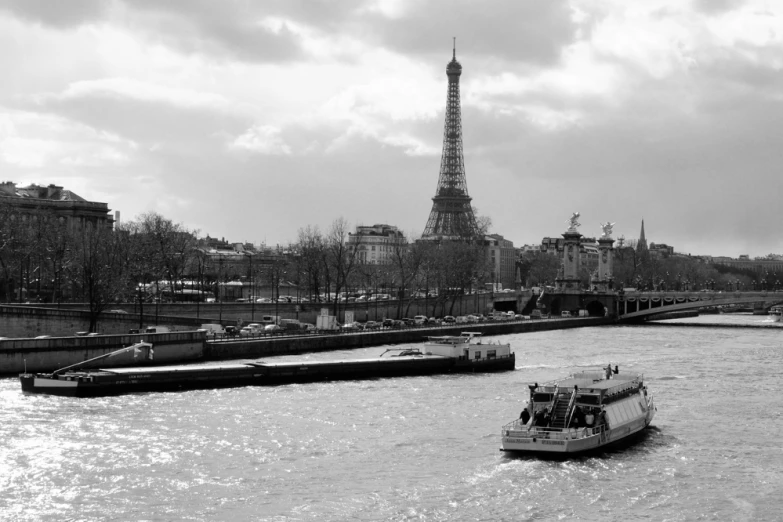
{"points": [[286, 345], [44, 355]]}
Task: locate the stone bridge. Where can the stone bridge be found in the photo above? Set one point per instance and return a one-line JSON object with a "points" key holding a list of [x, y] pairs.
{"points": [[636, 306], [639, 305]]}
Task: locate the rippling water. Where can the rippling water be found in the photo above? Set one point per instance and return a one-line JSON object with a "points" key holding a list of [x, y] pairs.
{"points": [[423, 448]]}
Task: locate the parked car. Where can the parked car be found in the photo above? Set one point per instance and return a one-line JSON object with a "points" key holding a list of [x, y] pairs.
{"points": [[535, 314], [308, 327], [273, 328], [350, 327], [420, 320], [290, 324], [388, 323], [212, 329], [407, 321], [232, 331], [449, 319], [246, 332], [372, 325], [157, 329], [565, 313]]}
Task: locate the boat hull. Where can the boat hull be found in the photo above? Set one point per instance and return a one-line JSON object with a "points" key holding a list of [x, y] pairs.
{"points": [[132, 380], [572, 442]]}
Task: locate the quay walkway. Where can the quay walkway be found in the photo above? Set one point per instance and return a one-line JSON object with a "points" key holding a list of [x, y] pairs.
{"points": [[263, 346]]}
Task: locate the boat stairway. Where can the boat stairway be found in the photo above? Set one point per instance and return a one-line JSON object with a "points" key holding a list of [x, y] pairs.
{"points": [[558, 418]]}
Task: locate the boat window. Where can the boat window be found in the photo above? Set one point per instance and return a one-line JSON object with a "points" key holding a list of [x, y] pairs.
{"points": [[478, 355], [542, 397], [491, 354]]}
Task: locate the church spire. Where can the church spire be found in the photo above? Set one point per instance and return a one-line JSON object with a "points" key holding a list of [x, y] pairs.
{"points": [[641, 245]]}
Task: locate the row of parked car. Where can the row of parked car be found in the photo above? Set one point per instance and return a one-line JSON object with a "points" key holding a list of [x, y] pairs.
{"points": [[271, 325], [423, 320]]}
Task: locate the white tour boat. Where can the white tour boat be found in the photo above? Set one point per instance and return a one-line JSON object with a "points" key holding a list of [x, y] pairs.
{"points": [[581, 413]]}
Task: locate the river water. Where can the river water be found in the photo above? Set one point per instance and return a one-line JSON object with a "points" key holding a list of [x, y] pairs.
{"points": [[421, 448]]}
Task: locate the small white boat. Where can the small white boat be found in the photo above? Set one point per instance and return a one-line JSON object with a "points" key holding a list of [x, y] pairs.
{"points": [[777, 313], [581, 413]]}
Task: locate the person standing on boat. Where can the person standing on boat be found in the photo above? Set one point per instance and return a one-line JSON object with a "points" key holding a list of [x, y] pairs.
{"points": [[608, 372]]}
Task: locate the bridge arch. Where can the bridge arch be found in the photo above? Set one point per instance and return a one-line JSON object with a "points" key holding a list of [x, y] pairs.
{"points": [[595, 309]]}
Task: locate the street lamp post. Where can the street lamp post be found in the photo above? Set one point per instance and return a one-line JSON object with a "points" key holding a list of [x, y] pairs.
{"points": [[252, 289]]}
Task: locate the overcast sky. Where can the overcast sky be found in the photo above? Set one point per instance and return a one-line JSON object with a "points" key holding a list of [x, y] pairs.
{"points": [[252, 119]]}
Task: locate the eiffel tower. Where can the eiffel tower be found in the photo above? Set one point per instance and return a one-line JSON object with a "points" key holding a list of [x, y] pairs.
{"points": [[452, 216]]}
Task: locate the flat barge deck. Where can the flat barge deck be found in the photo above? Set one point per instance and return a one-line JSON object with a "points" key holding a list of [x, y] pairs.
{"points": [[115, 381]]}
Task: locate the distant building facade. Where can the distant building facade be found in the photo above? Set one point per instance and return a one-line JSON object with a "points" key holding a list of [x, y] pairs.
{"points": [[73, 210], [376, 244], [661, 249], [760, 265], [502, 258]]}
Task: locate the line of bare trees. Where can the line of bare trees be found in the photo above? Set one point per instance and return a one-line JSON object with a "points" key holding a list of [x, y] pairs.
{"points": [[327, 264], [42, 259]]}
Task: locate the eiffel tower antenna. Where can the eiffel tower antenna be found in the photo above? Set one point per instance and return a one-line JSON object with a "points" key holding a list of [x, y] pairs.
{"points": [[452, 216]]}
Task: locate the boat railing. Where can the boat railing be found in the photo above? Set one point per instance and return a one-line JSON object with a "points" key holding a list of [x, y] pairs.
{"points": [[555, 399], [570, 411], [521, 431], [626, 386]]}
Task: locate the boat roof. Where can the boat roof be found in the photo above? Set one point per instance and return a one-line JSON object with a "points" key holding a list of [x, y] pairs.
{"points": [[603, 384], [461, 337]]}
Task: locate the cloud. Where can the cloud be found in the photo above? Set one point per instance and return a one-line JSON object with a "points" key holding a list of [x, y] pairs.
{"points": [[57, 14], [293, 112], [34, 141], [261, 139]]}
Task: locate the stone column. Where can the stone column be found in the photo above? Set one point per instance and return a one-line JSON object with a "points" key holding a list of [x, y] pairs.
{"points": [[568, 279], [605, 262]]}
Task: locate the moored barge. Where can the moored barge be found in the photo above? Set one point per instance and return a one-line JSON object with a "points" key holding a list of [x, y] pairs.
{"points": [[99, 382]]}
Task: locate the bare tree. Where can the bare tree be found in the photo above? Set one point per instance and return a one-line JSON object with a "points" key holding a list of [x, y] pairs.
{"points": [[340, 256], [102, 269], [171, 247], [311, 250]]}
